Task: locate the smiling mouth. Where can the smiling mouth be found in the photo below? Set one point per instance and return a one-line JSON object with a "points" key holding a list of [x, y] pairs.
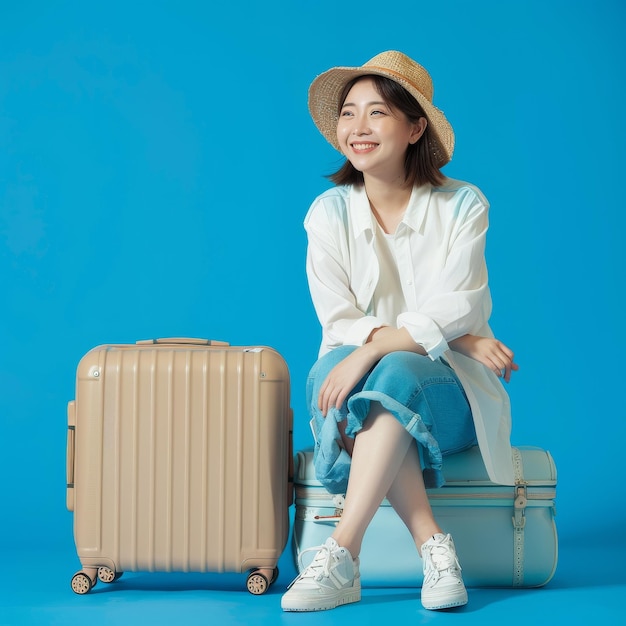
{"points": [[364, 146]]}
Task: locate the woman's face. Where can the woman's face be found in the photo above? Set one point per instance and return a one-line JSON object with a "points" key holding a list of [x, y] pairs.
{"points": [[373, 136]]}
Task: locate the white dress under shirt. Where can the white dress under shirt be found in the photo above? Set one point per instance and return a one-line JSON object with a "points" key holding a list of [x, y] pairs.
{"points": [[388, 299]]}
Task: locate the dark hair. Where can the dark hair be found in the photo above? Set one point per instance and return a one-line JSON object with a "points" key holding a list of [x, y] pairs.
{"points": [[419, 164]]}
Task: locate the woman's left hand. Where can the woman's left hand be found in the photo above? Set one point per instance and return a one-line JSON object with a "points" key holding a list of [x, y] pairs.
{"points": [[490, 352], [344, 376]]}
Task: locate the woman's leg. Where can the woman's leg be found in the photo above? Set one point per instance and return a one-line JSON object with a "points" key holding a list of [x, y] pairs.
{"points": [[379, 454], [385, 459], [407, 495], [384, 462]]}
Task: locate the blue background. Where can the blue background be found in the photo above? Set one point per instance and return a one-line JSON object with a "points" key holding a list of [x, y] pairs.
{"points": [[157, 160]]}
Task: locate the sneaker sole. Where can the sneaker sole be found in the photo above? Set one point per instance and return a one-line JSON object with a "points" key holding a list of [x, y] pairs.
{"points": [[434, 604], [354, 595]]}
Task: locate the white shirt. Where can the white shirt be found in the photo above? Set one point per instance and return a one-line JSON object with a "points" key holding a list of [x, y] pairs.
{"points": [[439, 250]]}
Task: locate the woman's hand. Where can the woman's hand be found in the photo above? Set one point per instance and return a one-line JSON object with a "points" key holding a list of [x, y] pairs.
{"points": [[490, 352], [344, 376]]}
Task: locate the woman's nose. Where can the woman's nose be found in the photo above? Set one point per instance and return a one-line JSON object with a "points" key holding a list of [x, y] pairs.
{"points": [[361, 127]]}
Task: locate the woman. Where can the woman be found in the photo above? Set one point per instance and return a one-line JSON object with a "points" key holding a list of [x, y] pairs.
{"points": [[408, 367]]}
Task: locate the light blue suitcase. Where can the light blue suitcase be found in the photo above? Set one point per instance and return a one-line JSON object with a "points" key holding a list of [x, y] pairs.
{"points": [[505, 536]]}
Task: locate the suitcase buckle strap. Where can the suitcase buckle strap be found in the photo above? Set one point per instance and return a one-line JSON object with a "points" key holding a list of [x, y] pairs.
{"points": [[519, 521], [521, 498]]}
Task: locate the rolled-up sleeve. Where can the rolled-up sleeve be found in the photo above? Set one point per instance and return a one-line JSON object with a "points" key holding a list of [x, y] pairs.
{"points": [[425, 332]]}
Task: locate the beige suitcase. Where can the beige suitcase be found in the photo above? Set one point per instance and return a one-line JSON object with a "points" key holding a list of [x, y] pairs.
{"points": [[179, 459]]}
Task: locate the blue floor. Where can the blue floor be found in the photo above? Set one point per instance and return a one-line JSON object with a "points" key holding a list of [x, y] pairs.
{"points": [[589, 586]]}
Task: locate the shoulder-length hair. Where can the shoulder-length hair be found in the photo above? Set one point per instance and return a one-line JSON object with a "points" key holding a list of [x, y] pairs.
{"points": [[419, 165]]}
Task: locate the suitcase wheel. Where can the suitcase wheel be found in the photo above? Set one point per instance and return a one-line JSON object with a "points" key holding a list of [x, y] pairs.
{"points": [[82, 583], [107, 575], [257, 582]]}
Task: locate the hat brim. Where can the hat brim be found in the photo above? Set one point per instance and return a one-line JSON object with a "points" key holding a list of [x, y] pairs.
{"points": [[326, 89]]}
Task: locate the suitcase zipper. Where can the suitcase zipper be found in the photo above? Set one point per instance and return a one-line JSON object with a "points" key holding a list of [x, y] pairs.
{"points": [[545, 494], [519, 498]]}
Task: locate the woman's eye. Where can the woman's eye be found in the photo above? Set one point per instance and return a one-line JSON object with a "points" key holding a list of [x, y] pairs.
{"points": [[378, 112], [346, 113]]}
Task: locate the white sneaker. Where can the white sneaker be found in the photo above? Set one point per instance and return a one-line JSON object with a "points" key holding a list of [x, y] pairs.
{"points": [[443, 586], [332, 579]]}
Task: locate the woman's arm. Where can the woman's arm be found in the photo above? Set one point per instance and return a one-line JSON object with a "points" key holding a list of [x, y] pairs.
{"points": [[455, 300], [344, 376], [333, 283], [486, 350]]}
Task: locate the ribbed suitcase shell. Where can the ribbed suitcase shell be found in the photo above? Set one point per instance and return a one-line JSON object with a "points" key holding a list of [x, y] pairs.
{"points": [[179, 457], [505, 536]]}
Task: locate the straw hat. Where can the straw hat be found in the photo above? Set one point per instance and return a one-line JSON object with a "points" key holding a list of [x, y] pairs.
{"points": [[325, 91]]}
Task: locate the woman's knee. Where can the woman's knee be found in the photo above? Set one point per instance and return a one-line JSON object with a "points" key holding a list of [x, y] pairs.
{"points": [[323, 366], [398, 372], [326, 362], [417, 364]]}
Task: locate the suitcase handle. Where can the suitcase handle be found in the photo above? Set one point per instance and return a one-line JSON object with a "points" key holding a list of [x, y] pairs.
{"points": [[187, 341], [71, 431]]}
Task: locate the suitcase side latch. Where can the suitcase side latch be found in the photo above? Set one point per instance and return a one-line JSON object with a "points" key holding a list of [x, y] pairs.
{"points": [[521, 498]]}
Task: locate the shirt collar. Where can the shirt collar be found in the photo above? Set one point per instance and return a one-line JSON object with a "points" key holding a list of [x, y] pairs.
{"points": [[418, 206], [361, 213], [363, 218]]}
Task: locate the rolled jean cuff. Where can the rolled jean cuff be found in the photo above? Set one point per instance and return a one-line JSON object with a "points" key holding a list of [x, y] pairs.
{"points": [[330, 459]]}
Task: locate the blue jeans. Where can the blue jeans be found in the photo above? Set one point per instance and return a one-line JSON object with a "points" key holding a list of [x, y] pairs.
{"points": [[424, 395]]}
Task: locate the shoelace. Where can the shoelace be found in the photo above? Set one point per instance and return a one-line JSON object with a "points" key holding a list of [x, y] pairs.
{"points": [[322, 560], [441, 560]]}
